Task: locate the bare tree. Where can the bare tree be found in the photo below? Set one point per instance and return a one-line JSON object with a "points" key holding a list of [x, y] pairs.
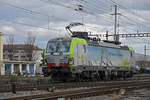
{"points": [[29, 45], [10, 41], [30, 39]]}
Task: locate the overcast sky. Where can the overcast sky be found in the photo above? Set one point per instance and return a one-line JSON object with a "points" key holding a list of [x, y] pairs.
{"points": [[47, 19]]}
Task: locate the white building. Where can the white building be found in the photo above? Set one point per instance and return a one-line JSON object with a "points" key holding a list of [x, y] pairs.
{"points": [[21, 58], [2, 68]]}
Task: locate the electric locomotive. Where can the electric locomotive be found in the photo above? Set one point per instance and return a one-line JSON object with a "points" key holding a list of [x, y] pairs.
{"points": [[82, 58], [77, 58]]}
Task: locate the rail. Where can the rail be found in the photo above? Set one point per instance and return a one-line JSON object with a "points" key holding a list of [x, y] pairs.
{"points": [[93, 91]]}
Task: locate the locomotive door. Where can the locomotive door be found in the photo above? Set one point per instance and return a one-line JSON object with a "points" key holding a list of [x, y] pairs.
{"points": [[80, 57], [80, 54]]}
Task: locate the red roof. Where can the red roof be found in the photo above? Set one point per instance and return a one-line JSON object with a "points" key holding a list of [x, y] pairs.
{"points": [[20, 47]]}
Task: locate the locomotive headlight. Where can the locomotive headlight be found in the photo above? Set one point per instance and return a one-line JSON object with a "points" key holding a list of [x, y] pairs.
{"points": [[71, 61]]}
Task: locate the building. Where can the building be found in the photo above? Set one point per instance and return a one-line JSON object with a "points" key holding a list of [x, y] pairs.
{"points": [[2, 68], [21, 58], [142, 60]]}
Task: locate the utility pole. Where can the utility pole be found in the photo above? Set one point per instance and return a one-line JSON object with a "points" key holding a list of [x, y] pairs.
{"points": [[107, 35], [145, 49], [116, 37], [115, 28], [145, 58]]}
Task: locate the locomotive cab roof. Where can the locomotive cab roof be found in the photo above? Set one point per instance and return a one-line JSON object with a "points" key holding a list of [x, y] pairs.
{"points": [[60, 39], [94, 43]]}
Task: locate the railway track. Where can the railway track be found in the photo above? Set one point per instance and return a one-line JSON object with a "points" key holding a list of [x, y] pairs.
{"points": [[35, 86], [31, 87], [107, 88]]}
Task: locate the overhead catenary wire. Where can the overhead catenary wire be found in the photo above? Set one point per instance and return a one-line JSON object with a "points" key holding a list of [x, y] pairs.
{"points": [[38, 12], [138, 22], [127, 24], [94, 8], [84, 11], [91, 5], [135, 21], [131, 12], [66, 6], [30, 11], [30, 25]]}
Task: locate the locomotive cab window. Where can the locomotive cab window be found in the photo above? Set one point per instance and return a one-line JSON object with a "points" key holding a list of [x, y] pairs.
{"points": [[63, 46], [51, 47], [58, 46]]}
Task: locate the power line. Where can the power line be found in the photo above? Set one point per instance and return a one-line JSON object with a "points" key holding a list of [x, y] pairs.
{"points": [[90, 6], [30, 25], [84, 11], [70, 7], [47, 1], [134, 21], [122, 7], [31, 11], [138, 22], [25, 23], [95, 7]]}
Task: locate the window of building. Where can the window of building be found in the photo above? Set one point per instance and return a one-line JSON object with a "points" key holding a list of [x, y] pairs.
{"points": [[16, 68], [16, 51], [22, 51], [24, 68], [7, 68]]}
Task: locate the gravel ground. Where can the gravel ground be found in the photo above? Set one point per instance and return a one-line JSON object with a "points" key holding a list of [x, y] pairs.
{"points": [[143, 94], [20, 93], [29, 93]]}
